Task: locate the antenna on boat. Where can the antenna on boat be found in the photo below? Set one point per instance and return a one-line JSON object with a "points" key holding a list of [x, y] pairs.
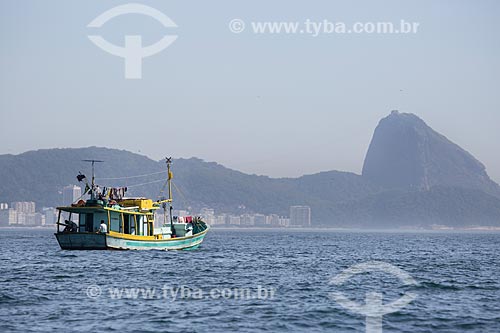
{"points": [[169, 181], [93, 176]]}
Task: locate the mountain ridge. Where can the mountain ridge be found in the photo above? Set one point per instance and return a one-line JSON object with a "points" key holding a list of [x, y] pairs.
{"points": [[410, 171], [194, 177]]}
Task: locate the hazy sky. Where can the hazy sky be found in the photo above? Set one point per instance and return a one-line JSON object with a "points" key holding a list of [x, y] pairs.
{"points": [[279, 105]]}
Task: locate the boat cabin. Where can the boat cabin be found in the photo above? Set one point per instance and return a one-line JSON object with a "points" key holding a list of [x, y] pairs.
{"points": [[128, 216]]}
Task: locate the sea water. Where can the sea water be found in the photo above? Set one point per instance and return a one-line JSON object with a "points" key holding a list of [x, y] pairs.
{"points": [[253, 281]]}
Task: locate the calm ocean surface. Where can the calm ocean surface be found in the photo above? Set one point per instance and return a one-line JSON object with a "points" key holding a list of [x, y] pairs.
{"points": [[45, 289]]}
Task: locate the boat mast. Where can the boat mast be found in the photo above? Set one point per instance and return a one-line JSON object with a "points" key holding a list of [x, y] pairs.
{"points": [[169, 180], [93, 176]]}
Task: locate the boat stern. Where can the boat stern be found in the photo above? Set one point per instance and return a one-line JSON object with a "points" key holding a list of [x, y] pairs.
{"points": [[81, 241]]}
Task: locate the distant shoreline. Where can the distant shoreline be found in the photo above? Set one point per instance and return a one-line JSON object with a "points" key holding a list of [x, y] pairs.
{"points": [[332, 229], [310, 229]]}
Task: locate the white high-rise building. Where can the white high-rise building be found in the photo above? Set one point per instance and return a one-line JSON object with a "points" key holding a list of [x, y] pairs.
{"points": [[284, 221], [50, 215], [21, 218], [8, 217], [247, 219], [300, 216], [221, 219], [273, 220], [259, 220], [234, 220], [71, 193], [204, 212], [208, 215], [24, 207], [39, 219]]}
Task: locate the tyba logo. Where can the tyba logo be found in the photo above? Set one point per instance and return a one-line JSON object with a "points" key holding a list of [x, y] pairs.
{"points": [[132, 52], [373, 309]]}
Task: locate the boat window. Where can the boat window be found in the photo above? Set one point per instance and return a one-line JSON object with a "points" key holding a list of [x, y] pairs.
{"points": [[89, 222], [61, 220], [140, 224], [132, 224], [115, 222], [126, 223], [120, 224]]}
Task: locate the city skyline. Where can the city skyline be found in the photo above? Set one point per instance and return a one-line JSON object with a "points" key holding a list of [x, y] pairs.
{"points": [[24, 213]]}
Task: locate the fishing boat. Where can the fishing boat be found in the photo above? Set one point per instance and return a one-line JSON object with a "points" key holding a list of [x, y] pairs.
{"points": [[126, 223]]}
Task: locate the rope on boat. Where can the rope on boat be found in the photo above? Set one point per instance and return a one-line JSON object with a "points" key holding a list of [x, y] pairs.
{"points": [[162, 191], [154, 181], [186, 202], [129, 177]]}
